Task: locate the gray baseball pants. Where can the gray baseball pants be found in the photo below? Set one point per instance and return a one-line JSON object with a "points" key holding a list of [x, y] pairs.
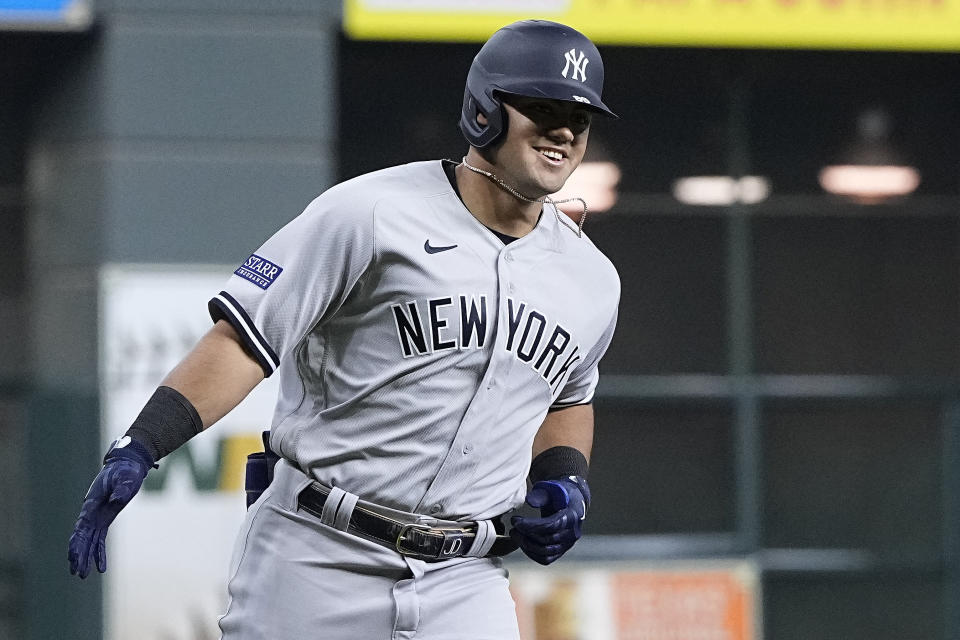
{"points": [[293, 577]]}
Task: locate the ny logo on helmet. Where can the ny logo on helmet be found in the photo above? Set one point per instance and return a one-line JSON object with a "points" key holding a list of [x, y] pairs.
{"points": [[579, 65]]}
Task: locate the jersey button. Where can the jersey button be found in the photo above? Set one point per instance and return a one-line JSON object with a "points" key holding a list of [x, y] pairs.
{"points": [[508, 257], [435, 509], [511, 288], [467, 448]]}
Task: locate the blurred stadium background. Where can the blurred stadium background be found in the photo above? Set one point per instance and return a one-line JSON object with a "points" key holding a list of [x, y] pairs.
{"points": [[778, 443]]}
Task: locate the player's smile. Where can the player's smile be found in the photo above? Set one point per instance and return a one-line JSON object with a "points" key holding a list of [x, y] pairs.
{"points": [[552, 155]]}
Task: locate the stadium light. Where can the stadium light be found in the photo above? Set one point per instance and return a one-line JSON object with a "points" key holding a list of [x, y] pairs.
{"points": [[721, 190], [871, 171]]}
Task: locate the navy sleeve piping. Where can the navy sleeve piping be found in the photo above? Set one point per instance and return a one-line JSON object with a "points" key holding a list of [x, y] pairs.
{"points": [[223, 306]]}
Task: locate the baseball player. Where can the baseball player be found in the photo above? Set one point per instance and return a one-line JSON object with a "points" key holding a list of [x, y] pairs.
{"points": [[436, 328]]}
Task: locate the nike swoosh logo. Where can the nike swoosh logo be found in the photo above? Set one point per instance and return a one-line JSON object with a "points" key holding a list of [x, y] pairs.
{"points": [[431, 249]]}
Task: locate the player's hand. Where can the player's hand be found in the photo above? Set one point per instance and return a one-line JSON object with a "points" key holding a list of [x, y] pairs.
{"points": [[124, 468], [563, 506]]}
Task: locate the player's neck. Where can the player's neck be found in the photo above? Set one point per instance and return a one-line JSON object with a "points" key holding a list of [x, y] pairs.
{"points": [[493, 205]]}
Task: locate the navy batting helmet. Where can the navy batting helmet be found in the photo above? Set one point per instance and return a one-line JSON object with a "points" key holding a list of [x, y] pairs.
{"points": [[533, 58]]}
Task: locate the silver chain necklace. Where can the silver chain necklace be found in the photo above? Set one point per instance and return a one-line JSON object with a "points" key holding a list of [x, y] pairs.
{"points": [[516, 194]]}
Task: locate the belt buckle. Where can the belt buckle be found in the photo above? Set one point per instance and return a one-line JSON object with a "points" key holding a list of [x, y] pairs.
{"points": [[402, 536], [451, 542]]}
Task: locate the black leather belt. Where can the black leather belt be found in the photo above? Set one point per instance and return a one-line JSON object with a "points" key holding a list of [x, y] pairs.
{"points": [[417, 540]]}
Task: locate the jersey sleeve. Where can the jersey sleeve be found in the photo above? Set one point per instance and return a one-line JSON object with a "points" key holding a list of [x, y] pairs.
{"points": [[301, 273], [582, 383]]}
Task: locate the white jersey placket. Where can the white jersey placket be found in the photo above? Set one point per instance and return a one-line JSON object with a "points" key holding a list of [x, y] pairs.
{"points": [[479, 429]]}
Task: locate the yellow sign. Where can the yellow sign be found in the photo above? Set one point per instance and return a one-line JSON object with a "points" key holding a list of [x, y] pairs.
{"points": [[817, 24]]}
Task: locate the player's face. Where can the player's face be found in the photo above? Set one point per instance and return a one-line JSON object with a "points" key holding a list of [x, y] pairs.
{"points": [[545, 142]]}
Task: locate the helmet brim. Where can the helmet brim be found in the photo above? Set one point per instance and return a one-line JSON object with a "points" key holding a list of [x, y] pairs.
{"points": [[538, 88]]}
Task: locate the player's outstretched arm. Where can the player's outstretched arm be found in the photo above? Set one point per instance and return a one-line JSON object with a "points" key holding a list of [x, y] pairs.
{"points": [[217, 374], [561, 452], [210, 381]]}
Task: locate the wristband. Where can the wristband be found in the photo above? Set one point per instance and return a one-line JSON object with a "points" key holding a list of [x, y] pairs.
{"points": [[166, 422], [558, 462]]}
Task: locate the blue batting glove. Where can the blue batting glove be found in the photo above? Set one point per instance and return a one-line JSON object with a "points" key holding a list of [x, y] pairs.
{"points": [[124, 468], [563, 507]]}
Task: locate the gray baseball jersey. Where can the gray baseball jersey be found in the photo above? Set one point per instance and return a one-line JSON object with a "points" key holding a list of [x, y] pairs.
{"points": [[418, 355]]}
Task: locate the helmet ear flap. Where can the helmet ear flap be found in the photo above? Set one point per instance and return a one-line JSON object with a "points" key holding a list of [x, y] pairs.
{"points": [[480, 135], [496, 126]]}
